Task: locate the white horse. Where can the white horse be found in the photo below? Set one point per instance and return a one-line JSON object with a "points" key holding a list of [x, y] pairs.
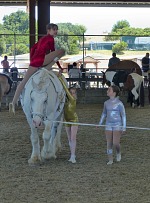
{"points": [[43, 101]]}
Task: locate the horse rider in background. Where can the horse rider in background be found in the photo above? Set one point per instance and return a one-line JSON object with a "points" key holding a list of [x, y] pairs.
{"points": [[113, 60], [145, 63]]}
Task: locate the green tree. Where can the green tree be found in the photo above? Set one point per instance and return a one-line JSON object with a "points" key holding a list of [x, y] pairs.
{"points": [[16, 30], [119, 47], [2, 46], [17, 22], [123, 28], [120, 25], [70, 37], [17, 25], [18, 49], [2, 41]]}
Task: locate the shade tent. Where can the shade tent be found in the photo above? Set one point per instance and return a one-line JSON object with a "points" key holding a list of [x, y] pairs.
{"points": [[79, 60]]}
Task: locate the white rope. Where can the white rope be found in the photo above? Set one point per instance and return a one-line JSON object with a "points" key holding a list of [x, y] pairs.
{"points": [[96, 125]]}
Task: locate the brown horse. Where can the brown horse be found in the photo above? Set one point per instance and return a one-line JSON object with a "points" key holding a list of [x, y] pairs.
{"points": [[5, 87]]}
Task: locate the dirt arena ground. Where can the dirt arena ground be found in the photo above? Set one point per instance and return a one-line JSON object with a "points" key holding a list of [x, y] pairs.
{"points": [[90, 180]]}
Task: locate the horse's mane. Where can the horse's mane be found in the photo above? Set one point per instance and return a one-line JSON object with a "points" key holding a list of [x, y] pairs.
{"points": [[40, 81]]}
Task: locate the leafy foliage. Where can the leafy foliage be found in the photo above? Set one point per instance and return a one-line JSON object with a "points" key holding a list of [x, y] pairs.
{"points": [[119, 47], [70, 37], [2, 45], [122, 28], [17, 25], [16, 31], [17, 22], [18, 49]]}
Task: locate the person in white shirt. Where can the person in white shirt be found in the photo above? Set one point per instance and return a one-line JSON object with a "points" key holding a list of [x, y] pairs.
{"points": [[75, 72]]}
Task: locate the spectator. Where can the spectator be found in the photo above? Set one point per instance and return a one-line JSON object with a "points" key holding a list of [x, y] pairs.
{"points": [[145, 63], [113, 60], [14, 74], [83, 71], [74, 72], [5, 65]]}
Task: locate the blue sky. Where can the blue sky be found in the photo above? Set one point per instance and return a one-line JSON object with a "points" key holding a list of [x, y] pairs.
{"points": [[96, 20]]}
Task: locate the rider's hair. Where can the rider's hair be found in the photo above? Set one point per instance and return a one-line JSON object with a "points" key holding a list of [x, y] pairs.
{"points": [[116, 89], [51, 26]]}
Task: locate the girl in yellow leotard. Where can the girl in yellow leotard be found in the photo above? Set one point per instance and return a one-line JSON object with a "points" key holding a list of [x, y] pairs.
{"points": [[70, 115]]}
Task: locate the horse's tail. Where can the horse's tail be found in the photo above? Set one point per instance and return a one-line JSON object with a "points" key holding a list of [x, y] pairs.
{"points": [[141, 94]]}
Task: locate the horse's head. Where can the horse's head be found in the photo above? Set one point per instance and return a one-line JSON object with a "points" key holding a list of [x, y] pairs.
{"points": [[104, 81], [107, 78], [39, 97]]}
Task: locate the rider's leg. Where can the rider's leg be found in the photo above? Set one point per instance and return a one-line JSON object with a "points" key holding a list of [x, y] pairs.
{"points": [[30, 71], [52, 58]]}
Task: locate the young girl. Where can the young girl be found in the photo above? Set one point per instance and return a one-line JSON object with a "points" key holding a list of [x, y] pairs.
{"points": [[42, 53], [70, 115], [115, 115]]}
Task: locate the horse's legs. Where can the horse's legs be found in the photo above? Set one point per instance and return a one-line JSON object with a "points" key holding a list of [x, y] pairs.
{"points": [[134, 92], [47, 152], [7, 102], [35, 156]]}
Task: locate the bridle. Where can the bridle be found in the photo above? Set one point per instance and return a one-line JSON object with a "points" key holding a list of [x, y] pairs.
{"points": [[39, 114]]}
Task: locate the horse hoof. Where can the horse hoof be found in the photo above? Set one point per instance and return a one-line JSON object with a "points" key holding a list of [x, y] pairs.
{"points": [[11, 108], [133, 105], [34, 161], [47, 155]]}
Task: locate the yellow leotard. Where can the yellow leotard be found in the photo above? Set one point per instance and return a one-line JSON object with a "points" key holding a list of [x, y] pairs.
{"points": [[70, 114]]}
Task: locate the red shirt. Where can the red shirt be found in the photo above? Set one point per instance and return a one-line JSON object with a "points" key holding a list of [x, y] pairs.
{"points": [[45, 45]]}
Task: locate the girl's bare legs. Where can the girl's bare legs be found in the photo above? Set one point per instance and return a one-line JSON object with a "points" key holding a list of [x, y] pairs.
{"points": [[52, 58], [29, 73], [116, 143], [71, 133], [68, 131], [109, 138]]}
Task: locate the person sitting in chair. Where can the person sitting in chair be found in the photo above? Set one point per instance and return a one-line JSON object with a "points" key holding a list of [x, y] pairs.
{"points": [[75, 71]]}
